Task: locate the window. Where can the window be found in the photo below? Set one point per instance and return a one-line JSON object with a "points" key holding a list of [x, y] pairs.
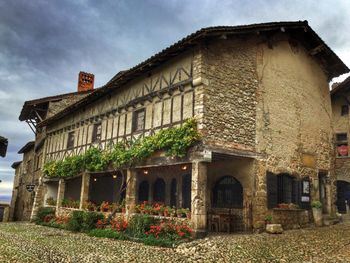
{"points": [[344, 110], [70, 141], [143, 191], [342, 144], [159, 191], [283, 188], [138, 122], [96, 133], [228, 193]]}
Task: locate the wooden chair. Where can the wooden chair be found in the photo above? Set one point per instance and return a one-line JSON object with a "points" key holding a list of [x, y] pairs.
{"points": [[214, 223]]}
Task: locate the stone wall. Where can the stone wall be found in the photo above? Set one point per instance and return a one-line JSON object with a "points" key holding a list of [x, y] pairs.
{"points": [[290, 218], [229, 98]]}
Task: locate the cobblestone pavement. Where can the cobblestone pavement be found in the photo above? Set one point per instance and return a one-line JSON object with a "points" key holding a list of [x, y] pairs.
{"points": [[24, 242]]}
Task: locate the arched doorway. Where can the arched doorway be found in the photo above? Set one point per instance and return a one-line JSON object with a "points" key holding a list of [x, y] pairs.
{"points": [[227, 193], [227, 205], [173, 192], [143, 191], [343, 194], [159, 191], [186, 191]]}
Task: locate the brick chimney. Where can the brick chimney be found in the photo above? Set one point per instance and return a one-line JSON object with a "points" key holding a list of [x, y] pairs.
{"points": [[85, 81]]}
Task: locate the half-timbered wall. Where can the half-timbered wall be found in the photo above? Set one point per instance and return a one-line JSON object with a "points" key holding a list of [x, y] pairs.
{"points": [[166, 95]]}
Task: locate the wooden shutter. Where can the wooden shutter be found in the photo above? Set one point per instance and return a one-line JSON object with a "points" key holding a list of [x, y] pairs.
{"points": [[271, 184]]}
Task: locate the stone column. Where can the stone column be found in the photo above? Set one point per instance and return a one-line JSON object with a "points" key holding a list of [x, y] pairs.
{"points": [[60, 193], [259, 206], [199, 198], [38, 199], [84, 193], [130, 198]]}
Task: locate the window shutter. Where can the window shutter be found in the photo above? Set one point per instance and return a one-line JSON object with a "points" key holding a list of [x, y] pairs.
{"points": [[271, 184], [296, 191]]}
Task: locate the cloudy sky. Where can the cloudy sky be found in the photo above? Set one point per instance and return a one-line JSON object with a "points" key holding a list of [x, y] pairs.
{"points": [[44, 44]]}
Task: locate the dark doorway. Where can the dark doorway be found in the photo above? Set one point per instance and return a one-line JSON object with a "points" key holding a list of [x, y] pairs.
{"points": [[143, 191], [343, 194], [186, 191], [173, 192], [159, 191]]}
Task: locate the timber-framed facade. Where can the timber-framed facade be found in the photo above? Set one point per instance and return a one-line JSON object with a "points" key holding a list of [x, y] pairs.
{"points": [[254, 91]]}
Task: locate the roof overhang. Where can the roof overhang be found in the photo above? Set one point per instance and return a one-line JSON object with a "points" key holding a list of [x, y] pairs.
{"points": [[16, 164], [27, 147], [3, 146], [299, 30]]}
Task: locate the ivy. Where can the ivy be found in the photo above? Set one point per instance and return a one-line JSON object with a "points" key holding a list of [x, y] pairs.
{"points": [[174, 141]]}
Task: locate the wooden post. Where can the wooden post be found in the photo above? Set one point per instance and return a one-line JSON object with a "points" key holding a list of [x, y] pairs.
{"points": [[199, 198], [60, 194], [84, 192], [130, 198]]}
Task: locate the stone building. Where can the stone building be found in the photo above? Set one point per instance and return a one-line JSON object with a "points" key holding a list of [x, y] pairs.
{"points": [[28, 172], [260, 96], [340, 95]]}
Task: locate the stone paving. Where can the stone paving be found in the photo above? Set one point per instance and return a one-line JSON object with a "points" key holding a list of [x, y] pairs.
{"points": [[24, 242]]}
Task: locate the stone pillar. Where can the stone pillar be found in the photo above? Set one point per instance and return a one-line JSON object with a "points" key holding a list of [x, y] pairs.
{"points": [[38, 199], [199, 198], [130, 198], [60, 193], [6, 215], [259, 206], [84, 193]]}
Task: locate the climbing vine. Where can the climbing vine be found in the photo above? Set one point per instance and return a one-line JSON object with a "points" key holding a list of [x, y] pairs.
{"points": [[174, 141]]}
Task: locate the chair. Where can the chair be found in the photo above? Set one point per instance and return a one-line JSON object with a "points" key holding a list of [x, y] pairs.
{"points": [[214, 223]]}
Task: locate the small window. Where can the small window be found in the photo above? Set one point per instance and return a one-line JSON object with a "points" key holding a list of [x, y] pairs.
{"points": [[138, 120], [344, 110], [38, 161], [96, 133], [341, 137], [70, 141]]}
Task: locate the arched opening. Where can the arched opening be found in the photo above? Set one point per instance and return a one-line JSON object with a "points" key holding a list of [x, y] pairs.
{"points": [[186, 191], [173, 192], [159, 191], [343, 194], [227, 193], [143, 191]]}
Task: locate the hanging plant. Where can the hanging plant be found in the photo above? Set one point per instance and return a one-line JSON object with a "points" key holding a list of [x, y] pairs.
{"points": [[174, 141]]}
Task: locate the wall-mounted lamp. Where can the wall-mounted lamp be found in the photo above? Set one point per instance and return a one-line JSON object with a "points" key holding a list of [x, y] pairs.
{"points": [[184, 167], [95, 179], [145, 172], [114, 176]]}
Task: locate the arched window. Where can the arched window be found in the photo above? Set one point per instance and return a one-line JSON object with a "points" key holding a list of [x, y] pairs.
{"points": [[143, 191], [173, 192], [228, 193], [159, 191]]}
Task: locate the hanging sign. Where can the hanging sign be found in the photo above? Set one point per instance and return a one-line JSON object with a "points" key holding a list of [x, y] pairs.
{"points": [[30, 187], [343, 150]]}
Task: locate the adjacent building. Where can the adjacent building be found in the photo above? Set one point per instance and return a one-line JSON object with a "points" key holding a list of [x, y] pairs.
{"points": [[340, 94], [260, 96]]}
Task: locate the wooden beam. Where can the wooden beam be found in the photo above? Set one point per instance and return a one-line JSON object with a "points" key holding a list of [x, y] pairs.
{"points": [[316, 50]]}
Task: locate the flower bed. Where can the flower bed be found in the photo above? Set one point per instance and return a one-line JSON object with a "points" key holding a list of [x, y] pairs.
{"points": [[148, 229], [162, 210]]}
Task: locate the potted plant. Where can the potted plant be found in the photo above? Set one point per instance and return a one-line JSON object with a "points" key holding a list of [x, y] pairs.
{"points": [[317, 212], [187, 212], [90, 206], [104, 206], [283, 206], [268, 219], [166, 211]]}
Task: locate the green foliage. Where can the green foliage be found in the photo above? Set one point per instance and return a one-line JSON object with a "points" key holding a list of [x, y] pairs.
{"points": [[90, 219], [139, 224], [316, 204], [83, 221], [174, 141], [109, 233], [43, 212], [159, 242]]}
